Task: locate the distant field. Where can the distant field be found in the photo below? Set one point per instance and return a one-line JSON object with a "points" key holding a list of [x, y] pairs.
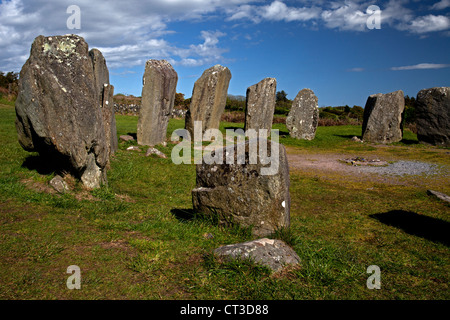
{"points": [[138, 238]]}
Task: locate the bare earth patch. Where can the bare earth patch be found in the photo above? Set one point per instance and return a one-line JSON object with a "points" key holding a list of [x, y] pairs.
{"points": [[392, 171]]}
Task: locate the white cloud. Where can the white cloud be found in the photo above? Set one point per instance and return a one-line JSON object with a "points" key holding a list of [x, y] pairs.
{"points": [[128, 33], [429, 23], [356, 70], [441, 5], [421, 66], [276, 11], [346, 17]]}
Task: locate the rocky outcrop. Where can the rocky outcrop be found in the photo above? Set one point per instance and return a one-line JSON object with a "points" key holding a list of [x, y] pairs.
{"points": [[58, 112], [244, 194], [303, 118], [433, 116], [209, 98], [158, 97], [383, 117], [260, 105]]}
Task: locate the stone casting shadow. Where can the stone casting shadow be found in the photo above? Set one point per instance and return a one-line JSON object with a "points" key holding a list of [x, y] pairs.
{"points": [[429, 228]]}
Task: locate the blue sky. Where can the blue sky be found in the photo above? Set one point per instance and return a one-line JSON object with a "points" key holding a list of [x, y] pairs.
{"points": [[322, 45]]}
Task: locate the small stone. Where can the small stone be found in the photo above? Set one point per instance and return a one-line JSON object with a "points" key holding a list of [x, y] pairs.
{"points": [[133, 148], [126, 138], [151, 151], [439, 195], [59, 184], [208, 235], [275, 254]]}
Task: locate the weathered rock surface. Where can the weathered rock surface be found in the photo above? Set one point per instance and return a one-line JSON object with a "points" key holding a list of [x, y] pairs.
{"points": [[260, 105], [275, 254], [303, 119], [58, 113], [59, 184], [158, 97], [209, 98], [126, 137], [245, 194], [105, 97], [383, 117], [433, 116]]}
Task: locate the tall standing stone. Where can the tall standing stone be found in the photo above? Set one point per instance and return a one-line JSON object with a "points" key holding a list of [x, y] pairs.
{"points": [[241, 192], [105, 97], [209, 98], [433, 116], [158, 97], [260, 105], [383, 117], [57, 110], [303, 119]]}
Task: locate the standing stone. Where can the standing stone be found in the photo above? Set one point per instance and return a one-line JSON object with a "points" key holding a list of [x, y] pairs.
{"points": [[209, 98], [303, 119], [243, 194], [57, 110], [105, 97], [260, 105], [433, 116], [382, 121], [158, 97]]}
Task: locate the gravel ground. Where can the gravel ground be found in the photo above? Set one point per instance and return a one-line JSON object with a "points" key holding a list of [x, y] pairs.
{"points": [[402, 168]]}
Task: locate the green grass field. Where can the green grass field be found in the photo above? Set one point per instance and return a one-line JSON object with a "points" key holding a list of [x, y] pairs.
{"points": [[138, 238]]}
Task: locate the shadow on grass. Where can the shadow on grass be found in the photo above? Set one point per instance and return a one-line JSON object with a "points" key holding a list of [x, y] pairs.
{"points": [[347, 136], [233, 128], [134, 135], [40, 164], [408, 141], [429, 228], [184, 215]]}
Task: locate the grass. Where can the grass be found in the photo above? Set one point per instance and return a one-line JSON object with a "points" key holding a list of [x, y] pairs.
{"points": [[139, 239]]}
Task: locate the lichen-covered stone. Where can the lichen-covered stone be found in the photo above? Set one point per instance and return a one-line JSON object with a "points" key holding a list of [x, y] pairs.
{"points": [[158, 97], [260, 105], [303, 118], [383, 117], [58, 111], [243, 194], [209, 98], [275, 254], [433, 116]]}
